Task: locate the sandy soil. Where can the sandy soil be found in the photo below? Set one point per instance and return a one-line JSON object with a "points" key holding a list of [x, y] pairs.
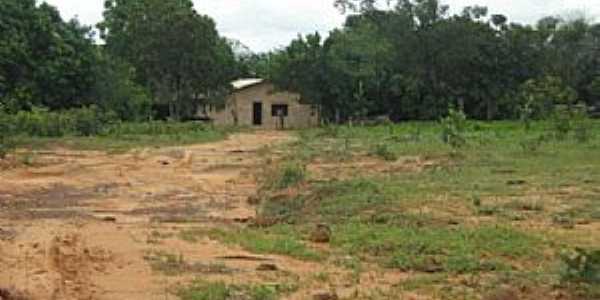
{"points": [[79, 225]]}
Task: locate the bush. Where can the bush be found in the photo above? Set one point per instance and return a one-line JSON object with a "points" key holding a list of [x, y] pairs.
{"points": [[454, 127], [581, 124], [291, 175], [539, 96], [533, 144], [6, 143], [581, 266], [383, 151], [39, 122], [567, 119], [89, 121]]}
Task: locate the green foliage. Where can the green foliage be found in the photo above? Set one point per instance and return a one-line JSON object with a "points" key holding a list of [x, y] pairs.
{"points": [[45, 60], [291, 174], [40, 122], [581, 124], [281, 239], [567, 119], [410, 61], [171, 46], [119, 93], [384, 151], [454, 127], [6, 142], [581, 266], [539, 97], [203, 290], [435, 249]]}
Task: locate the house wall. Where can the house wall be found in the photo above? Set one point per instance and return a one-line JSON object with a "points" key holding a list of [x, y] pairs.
{"points": [[242, 103]]}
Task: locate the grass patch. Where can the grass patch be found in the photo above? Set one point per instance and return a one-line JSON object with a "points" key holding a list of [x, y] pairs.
{"points": [[125, 136], [176, 265], [456, 250], [290, 175], [203, 290], [281, 240]]}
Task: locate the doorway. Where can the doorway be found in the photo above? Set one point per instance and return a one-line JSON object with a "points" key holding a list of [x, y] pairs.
{"points": [[257, 114]]}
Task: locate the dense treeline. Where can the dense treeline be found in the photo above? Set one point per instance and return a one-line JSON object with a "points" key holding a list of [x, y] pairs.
{"points": [[160, 58], [413, 61], [156, 54]]}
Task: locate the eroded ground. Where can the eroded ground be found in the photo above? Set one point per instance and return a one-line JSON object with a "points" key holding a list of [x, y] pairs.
{"points": [[88, 225], [361, 214]]}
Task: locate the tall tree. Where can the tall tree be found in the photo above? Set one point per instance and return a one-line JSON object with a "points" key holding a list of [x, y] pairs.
{"points": [[176, 52], [44, 61]]}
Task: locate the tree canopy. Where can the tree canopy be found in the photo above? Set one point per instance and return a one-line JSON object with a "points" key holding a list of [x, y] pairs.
{"points": [[44, 61], [408, 59], [415, 59], [176, 51]]}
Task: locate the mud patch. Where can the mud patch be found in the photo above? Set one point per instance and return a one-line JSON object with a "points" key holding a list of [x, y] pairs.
{"points": [[55, 196], [11, 294], [7, 235], [75, 263]]}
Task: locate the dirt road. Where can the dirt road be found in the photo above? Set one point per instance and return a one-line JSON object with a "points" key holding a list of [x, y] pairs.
{"points": [[82, 225]]}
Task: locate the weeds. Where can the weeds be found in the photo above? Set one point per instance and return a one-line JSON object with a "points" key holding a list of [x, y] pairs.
{"points": [[291, 175], [202, 290], [383, 151], [280, 239], [175, 265], [435, 249], [454, 127], [581, 266]]}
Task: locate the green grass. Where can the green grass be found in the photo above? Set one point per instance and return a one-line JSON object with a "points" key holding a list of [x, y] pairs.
{"points": [[203, 290], [125, 136], [176, 265], [467, 213], [429, 249], [282, 240]]}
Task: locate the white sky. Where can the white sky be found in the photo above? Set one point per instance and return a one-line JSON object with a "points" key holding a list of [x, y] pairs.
{"points": [[266, 24]]}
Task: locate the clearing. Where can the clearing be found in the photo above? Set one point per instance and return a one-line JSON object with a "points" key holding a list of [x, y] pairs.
{"points": [[385, 212], [89, 225]]}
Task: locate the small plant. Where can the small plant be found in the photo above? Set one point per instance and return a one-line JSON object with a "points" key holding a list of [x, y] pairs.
{"points": [[561, 122], [7, 144], [581, 266], [564, 220], [454, 127], [202, 290], [384, 151], [487, 210], [581, 124], [533, 144], [291, 175]]}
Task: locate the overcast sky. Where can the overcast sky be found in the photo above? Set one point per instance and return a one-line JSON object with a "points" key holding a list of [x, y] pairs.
{"points": [[266, 24]]}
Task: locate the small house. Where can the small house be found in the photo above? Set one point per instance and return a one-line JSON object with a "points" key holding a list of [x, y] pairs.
{"points": [[255, 102]]}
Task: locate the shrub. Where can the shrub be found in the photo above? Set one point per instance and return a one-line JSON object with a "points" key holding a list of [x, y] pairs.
{"points": [[581, 266], [454, 127], [6, 143], [561, 122], [383, 151], [291, 175], [41, 122], [538, 97], [581, 124], [89, 121], [567, 119], [533, 144]]}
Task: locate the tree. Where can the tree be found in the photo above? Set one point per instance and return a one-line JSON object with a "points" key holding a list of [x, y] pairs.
{"points": [[175, 51], [44, 61]]}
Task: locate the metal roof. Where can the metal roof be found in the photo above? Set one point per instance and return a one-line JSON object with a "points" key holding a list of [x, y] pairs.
{"points": [[246, 82]]}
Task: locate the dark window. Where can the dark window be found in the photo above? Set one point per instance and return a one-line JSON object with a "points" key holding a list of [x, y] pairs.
{"points": [[276, 109]]}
